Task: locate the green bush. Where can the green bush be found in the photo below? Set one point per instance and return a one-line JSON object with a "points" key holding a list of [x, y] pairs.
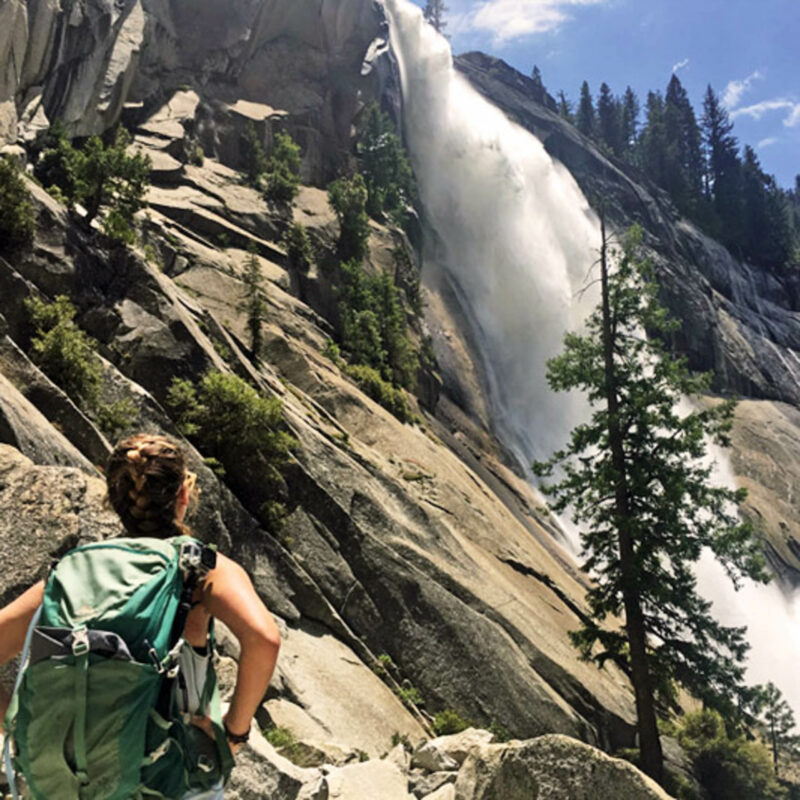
{"points": [[98, 176], [17, 217], [63, 351], [255, 157], [449, 721], [240, 428], [115, 418], [382, 392], [348, 198], [373, 325], [299, 252], [386, 169], [728, 768], [282, 176], [56, 165]]}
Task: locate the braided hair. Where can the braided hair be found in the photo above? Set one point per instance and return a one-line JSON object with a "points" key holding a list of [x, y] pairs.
{"points": [[145, 474]]}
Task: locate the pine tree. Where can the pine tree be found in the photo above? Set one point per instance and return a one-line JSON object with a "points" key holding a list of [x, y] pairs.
{"points": [[778, 719], [635, 477], [565, 107], [684, 160], [254, 302], [630, 120], [607, 119], [434, 13], [723, 177], [538, 92], [584, 120], [109, 177], [653, 140], [384, 164]]}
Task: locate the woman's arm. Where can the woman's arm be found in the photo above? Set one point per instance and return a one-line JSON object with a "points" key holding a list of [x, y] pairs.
{"points": [[228, 595], [14, 621]]}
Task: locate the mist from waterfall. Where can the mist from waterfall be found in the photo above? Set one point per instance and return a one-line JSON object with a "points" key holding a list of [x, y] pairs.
{"points": [[516, 239]]}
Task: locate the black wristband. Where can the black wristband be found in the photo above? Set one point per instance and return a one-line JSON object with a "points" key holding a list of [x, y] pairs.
{"points": [[236, 738]]}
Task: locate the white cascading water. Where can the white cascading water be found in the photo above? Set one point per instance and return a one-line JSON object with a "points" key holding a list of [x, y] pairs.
{"points": [[516, 239]]}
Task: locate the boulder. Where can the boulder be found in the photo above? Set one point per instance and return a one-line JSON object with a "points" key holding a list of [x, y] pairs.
{"points": [[368, 780], [44, 511], [428, 784], [446, 792], [455, 748], [551, 767], [261, 772]]}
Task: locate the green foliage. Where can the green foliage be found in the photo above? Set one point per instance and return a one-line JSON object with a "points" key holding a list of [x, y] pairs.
{"points": [[56, 166], [449, 721], [331, 351], [500, 732], [279, 737], [198, 156], [116, 417], [253, 302], [371, 383], [373, 325], [98, 176], [299, 252], [434, 12], [407, 277], [402, 738], [635, 478], [63, 351], [17, 217], [348, 199], [410, 695], [778, 720], [699, 163], [384, 164], [231, 422], [254, 155], [109, 177], [282, 174], [728, 768]]}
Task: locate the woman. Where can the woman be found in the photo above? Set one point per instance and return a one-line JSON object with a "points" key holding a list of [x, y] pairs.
{"points": [[150, 488]]}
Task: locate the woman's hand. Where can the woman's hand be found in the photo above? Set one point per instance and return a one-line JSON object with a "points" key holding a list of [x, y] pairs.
{"points": [[205, 725]]}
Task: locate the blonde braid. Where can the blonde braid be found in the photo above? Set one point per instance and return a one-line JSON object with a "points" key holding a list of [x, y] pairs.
{"points": [[145, 475]]}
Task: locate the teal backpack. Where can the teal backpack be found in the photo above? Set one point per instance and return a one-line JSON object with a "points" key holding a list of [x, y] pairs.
{"points": [[95, 713]]}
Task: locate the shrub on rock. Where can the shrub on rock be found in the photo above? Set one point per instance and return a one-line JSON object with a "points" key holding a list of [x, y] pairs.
{"points": [[17, 217]]}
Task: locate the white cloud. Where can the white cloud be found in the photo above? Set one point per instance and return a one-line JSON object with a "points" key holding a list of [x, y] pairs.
{"points": [[758, 110], [793, 120], [735, 89], [680, 65], [770, 140], [510, 19]]}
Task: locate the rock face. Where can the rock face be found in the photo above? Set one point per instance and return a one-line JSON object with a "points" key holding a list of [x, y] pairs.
{"points": [[92, 60], [739, 321]]}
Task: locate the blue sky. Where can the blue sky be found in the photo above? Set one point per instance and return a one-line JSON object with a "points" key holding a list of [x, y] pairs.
{"points": [[748, 50]]}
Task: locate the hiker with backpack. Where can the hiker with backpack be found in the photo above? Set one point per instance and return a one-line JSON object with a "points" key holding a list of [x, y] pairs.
{"points": [[116, 696]]}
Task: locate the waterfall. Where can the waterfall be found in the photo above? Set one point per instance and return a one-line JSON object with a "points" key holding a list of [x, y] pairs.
{"points": [[516, 239]]}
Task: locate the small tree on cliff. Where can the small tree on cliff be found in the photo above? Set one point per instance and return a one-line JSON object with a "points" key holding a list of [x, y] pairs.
{"points": [[112, 178], [434, 12], [634, 476], [253, 302], [778, 719]]}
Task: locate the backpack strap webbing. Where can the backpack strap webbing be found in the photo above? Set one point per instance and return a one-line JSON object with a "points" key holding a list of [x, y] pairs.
{"points": [[11, 713]]}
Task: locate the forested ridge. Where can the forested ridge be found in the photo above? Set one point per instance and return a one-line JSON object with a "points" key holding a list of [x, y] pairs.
{"points": [[713, 180]]}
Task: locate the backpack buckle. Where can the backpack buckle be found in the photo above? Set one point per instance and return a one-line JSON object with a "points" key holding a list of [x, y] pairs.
{"points": [[80, 642], [196, 558]]}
